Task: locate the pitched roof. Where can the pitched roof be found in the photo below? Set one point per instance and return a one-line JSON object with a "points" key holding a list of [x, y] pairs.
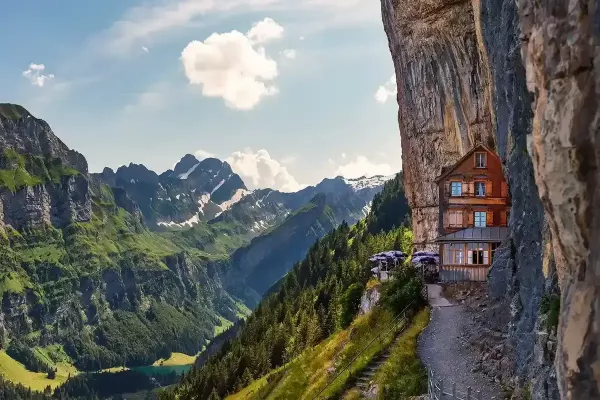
{"points": [[488, 234], [448, 169]]}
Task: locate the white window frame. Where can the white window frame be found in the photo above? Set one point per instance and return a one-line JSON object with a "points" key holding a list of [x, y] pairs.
{"points": [[458, 193], [481, 224], [480, 184], [478, 157]]}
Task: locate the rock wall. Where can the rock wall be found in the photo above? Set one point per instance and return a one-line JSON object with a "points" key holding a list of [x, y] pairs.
{"points": [[461, 81], [562, 59], [442, 96]]}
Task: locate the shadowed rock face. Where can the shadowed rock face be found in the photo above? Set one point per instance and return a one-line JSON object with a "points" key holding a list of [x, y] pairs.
{"points": [[562, 58]]}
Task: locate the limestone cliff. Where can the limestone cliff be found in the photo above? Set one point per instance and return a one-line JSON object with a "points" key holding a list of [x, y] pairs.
{"points": [[561, 52], [461, 81]]}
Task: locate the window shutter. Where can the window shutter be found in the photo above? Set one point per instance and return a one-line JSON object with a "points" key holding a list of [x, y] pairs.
{"points": [[489, 220], [503, 218], [465, 189], [470, 218], [447, 185], [471, 188], [488, 189], [504, 188], [446, 221]]}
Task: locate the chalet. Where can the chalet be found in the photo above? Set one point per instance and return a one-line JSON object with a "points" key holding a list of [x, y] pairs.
{"points": [[473, 215]]}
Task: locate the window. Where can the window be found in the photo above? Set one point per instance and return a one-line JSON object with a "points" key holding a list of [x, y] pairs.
{"points": [[456, 188], [480, 219], [480, 189], [480, 160], [454, 254], [478, 254], [455, 218]]}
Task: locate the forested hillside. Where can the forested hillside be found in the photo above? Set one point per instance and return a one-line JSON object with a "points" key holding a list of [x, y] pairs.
{"points": [[318, 297]]}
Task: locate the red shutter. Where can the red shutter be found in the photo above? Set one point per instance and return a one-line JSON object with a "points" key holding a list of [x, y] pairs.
{"points": [[504, 188], [488, 189], [490, 218], [503, 218], [465, 189], [470, 218], [471, 188]]}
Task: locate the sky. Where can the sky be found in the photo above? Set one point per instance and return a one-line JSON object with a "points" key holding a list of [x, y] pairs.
{"points": [[287, 92]]}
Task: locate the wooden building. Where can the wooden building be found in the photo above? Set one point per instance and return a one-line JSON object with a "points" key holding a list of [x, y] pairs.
{"points": [[474, 212]]}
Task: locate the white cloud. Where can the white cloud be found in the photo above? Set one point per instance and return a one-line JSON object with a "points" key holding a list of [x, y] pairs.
{"points": [[155, 19], [362, 166], [289, 53], [387, 90], [35, 75], [265, 31], [202, 154], [259, 170], [301, 37], [227, 65], [287, 160], [145, 49]]}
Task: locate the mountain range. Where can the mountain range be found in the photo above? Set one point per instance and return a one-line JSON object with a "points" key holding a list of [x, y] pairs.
{"points": [[124, 267]]}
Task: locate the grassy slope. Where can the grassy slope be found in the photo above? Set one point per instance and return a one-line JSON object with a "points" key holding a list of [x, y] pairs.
{"points": [[403, 374], [16, 372], [304, 377]]}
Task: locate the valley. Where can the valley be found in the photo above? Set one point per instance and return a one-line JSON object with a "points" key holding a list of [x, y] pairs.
{"points": [[119, 270]]}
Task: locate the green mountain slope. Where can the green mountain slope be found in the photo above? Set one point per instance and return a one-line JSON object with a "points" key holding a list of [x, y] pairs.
{"points": [[318, 298]]}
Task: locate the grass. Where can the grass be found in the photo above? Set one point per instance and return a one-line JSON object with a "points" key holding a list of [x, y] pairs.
{"points": [[223, 326], [11, 283], [305, 376], [175, 360], [14, 371], [403, 374]]}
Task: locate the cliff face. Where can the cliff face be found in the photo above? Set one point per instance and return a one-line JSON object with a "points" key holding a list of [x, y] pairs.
{"points": [[461, 81], [442, 96], [562, 58]]}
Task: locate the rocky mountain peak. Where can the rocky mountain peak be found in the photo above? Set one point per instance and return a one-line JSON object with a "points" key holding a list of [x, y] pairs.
{"points": [[136, 172], [186, 163]]}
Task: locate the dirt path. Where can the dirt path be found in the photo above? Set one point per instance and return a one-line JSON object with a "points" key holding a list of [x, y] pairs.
{"points": [[445, 354]]}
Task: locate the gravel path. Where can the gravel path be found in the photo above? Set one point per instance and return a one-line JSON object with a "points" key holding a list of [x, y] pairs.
{"points": [[443, 352]]}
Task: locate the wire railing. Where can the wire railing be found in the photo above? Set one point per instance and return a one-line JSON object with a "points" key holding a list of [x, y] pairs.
{"points": [[438, 389], [401, 317]]}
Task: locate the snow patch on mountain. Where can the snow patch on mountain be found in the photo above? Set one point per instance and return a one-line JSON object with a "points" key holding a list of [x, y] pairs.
{"points": [[366, 183], [237, 196], [195, 220], [189, 171]]}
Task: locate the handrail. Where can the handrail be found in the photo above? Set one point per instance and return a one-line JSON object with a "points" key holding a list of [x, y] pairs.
{"points": [[385, 330], [436, 390]]}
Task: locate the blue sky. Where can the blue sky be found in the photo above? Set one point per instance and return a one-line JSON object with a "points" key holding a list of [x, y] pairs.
{"points": [[288, 92]]}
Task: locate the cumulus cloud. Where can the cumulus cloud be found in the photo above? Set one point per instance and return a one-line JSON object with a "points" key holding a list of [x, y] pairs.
{"points": [[387, 90], [259, 170], [362, 166], [231, 66], [289, 53], [202, 154], [145, 49], [35, 75], [265, 31]]}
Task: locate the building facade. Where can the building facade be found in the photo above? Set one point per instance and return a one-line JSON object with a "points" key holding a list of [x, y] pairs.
{"points": [[473, 215]]}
